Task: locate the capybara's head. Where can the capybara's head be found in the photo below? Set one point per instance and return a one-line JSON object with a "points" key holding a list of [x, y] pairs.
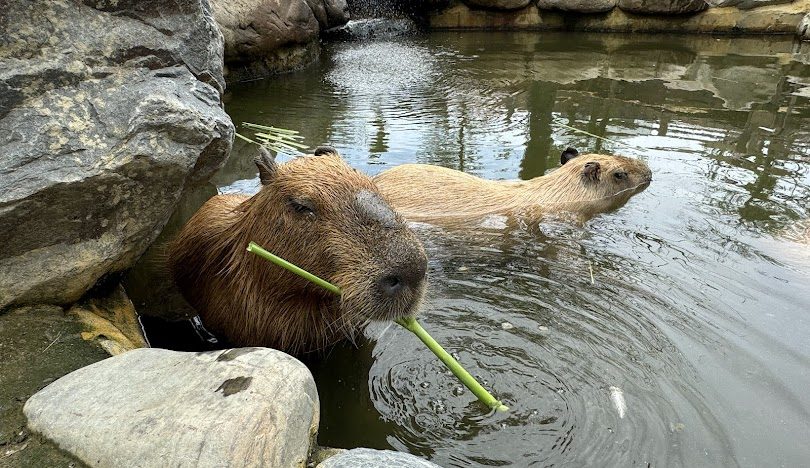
{"points": [[600, 181], [330, 219]]}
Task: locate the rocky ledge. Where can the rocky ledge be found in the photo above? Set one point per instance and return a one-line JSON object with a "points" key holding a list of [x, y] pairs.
{"points": [[694, 16]]}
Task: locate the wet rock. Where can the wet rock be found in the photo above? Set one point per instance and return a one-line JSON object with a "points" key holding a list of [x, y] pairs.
{"points": [[111, 321], [330, 13], [498, 4], [153, 407], [579, 6], [665, 7], [100, 134], [803, 30], [264, 37], [369, 458]]}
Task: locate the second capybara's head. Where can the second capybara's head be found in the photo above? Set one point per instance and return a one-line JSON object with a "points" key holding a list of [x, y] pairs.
{"points": [[599, 182], [330, 219]]}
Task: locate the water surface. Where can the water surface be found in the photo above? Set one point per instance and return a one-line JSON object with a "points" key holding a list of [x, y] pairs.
{"points": [[693, 298]]}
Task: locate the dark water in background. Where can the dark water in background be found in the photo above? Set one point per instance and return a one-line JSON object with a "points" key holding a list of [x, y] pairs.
{"points": [[699, 306]]}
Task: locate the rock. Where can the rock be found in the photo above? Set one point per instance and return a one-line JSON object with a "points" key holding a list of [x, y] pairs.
{"points": [[154, 407], [100, 134], [369, 458], [803, 30], [460, 16], [330, 13], [662, 7], [579, 6], [111, 321], [498, 4], [263, 37]]}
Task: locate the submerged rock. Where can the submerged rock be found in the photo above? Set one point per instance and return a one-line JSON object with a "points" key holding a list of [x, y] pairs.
{"points": [[153, 407], [108, 111], [370, 458]]}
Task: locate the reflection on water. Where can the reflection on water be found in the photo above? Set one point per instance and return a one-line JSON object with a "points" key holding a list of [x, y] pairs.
{"points": [[689, 298]]}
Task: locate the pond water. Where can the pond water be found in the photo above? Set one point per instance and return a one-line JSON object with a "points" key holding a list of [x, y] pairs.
{"points": [[693, 298]]}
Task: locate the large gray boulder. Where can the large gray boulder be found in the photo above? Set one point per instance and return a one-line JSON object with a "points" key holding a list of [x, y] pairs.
{"points": [[153, 407], [579, 6], [662, 7], [108, 111], [369, 458]]}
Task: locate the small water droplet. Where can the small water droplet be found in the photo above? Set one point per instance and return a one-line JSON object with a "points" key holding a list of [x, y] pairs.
{"points": [[458, 391], [424, 384], [463, 268], [507, 326], [543, 330]]}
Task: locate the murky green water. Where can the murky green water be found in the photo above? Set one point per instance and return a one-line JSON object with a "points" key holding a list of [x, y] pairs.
{"points": [[698, 307]]}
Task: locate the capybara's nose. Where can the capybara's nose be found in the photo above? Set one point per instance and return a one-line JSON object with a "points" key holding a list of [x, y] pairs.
{"points": [[410, 275]]}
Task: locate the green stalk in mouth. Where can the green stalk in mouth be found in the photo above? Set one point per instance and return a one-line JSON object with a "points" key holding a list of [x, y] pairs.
{"points": [[408, 323]]}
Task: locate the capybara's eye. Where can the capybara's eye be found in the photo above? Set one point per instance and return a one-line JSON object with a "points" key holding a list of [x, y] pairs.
{"points": [[619, 175], [302, 206]]}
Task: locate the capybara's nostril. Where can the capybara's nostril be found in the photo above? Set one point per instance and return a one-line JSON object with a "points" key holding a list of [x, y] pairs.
{"points": [[390, 285], [406, 276]]}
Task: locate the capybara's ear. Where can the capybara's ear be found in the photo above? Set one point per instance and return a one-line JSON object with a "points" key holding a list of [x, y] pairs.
{"points": [[322, 150], [267, 165], [591, 170], [567, 155]]}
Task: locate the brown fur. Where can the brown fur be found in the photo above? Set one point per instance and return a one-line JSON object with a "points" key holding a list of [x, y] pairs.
{"points": [[425, 192], [350, 243]]}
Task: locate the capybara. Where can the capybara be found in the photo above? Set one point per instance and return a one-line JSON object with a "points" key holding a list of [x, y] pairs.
{"points": [[320, 214], [585, 184]]}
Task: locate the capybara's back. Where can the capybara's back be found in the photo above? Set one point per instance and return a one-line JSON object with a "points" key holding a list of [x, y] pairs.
{"points": [[584, 184], [320, 214]]}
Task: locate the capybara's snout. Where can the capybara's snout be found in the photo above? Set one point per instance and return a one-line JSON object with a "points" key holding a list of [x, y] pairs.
{"points": [[405, 277]]}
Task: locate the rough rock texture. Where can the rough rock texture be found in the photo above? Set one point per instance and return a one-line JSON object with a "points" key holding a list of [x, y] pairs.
{"points": [[498, 4], [665, 7], [263, 37], [580, 6], [330, 13], [369, 458], [775, 19], [153, 407], [745, 4], [803, 30], [106, 114]]}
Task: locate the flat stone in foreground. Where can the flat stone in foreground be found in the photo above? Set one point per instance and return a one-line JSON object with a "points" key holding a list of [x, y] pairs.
{"points": [[369, 458], [153, 407]]}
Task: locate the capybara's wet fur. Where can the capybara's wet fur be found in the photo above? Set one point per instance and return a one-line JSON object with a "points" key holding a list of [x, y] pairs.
{"points": [[320, 214], [585, 184]]}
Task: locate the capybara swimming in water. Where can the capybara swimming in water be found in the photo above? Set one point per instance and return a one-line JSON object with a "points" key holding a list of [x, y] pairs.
{"points": [[320, 214], [585, 184]]}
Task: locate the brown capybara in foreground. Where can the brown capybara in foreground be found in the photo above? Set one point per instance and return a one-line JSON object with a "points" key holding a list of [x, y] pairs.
{"points": [[320, 214], [584, 184]]}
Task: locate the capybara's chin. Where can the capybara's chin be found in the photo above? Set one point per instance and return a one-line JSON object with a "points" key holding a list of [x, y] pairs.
{"points": [[320, 214]]}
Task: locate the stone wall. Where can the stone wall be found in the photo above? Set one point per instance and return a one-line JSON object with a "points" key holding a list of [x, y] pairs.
{"points": [[693, 16]]}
